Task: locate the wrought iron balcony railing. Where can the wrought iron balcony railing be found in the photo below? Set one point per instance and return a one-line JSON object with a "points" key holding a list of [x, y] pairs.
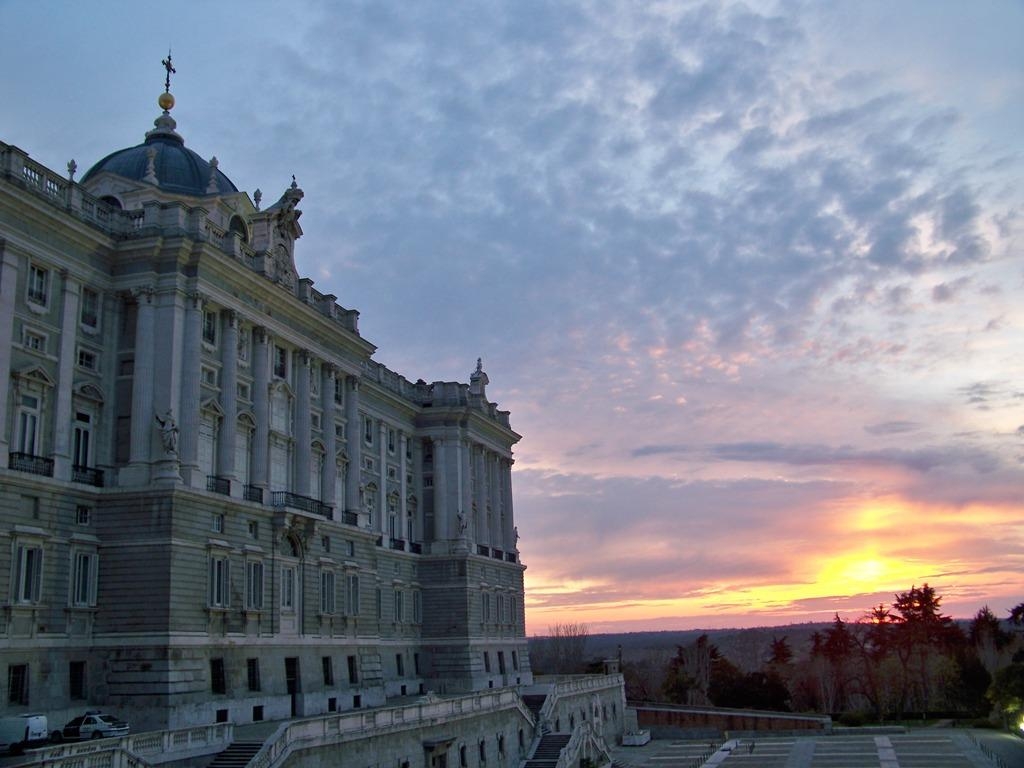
{"points": [[303, 503], [219, 485], [87, 475], [26, 462]]}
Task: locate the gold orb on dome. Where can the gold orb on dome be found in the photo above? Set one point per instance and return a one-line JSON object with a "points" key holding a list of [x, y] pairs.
{"points": [[166, 101]]}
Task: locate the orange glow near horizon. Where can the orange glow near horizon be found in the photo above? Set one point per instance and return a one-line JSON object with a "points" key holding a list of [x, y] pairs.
{"points": [[872, 548]]}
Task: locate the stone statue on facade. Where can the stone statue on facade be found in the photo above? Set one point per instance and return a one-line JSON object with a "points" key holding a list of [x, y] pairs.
{"points": [[168, 432]]}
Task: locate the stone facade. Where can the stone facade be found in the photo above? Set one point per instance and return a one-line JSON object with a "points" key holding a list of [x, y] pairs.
{"points": [[214, 503]]}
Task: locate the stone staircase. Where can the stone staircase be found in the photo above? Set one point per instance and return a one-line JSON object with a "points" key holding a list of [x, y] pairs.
{"points": [[548, 750], [534, 702], [237, 755]]}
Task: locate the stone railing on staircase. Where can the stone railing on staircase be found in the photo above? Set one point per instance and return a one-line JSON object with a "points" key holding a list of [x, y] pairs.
{"points": [[139, 750]]}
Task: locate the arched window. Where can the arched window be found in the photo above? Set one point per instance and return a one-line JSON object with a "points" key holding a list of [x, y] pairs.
{"points": [[238, 226], [112, 201]]}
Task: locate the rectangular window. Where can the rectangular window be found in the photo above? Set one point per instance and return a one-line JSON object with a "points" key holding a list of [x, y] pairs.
{"points": [[400, 664], [81, 438], [417, 607], [368, 430], [254, 529], [326, 592], [288, 587], [352, 596], [210, 327], [339, 390], [17, 684], [416, 664], [218, 523], [353, 669], [38, 284], [90, 308], [253, 669], [254, 586], [391, 440], [83, 579], [399, 605], [485, 606], [501, 662], [33, 340], [328, 665], [28, 576], [83, 515], [76, 680], [280, 362], [28, 425], [325, 543], [243, 391], [88, 360], [219, 567], [218, 682], [487, 662], [314, 421]]}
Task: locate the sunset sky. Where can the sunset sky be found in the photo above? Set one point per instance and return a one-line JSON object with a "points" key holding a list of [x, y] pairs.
{"points": [[748, 276]]}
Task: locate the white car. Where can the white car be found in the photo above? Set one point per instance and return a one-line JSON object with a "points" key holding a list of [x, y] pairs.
{"points": [[91, 725]]}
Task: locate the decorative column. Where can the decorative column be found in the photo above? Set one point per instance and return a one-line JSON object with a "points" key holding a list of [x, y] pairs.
{"points": [[442, 512], [480, 495], [505, 478], [188, 447], [382, 478], [227, 438], [465, 491], [354, 443], [142, 382], [303, 428], [260, 407], [403, 489], [329, 474], [8, 284], [65, 374]]}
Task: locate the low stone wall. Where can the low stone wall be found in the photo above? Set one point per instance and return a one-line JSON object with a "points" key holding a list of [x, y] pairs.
{"points": [[666, 721]]}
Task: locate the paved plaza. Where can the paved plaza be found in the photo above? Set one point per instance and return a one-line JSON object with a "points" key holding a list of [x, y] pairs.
{"points": [[933, 748]]}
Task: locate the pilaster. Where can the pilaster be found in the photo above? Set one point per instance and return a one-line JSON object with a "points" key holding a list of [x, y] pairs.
{"points": [[260, 407], [8, 284], [303, 429], [142, 384], [188, 451], [227, 438], [62, 458], [329, 474], [354, 443]]}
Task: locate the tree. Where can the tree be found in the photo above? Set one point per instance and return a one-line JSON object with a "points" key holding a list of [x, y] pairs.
{"points": [[563, 651], [1007, 692], [925, 639], [988, 638], [781, 654], [689, 675]]}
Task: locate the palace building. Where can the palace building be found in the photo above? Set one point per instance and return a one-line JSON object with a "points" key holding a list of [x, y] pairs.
{"points": [[215, 505]]}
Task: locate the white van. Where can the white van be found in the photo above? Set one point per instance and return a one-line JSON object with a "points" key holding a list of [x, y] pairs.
{"points": [[20, 731]]}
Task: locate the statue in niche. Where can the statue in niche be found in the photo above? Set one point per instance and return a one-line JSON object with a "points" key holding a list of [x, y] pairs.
{"points": [[168, 432]]}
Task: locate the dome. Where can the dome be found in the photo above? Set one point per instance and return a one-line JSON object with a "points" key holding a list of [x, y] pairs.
{"points": [[176, 168]]}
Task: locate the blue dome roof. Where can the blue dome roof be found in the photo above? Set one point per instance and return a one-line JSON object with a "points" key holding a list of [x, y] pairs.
{"points": [[177, 168]]}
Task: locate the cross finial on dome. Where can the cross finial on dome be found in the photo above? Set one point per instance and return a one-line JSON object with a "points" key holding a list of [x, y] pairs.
{"points": [[170, 68], [166, 100]]}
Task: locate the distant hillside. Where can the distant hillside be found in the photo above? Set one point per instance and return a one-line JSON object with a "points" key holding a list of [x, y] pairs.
{"points": [[747, 648]]}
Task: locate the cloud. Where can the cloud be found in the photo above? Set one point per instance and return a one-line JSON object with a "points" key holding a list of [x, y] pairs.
{"points": [[892, 428], [918, 460]]}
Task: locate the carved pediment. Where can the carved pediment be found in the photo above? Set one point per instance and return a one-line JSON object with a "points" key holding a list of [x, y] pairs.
{"points": [[34, 375]]}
